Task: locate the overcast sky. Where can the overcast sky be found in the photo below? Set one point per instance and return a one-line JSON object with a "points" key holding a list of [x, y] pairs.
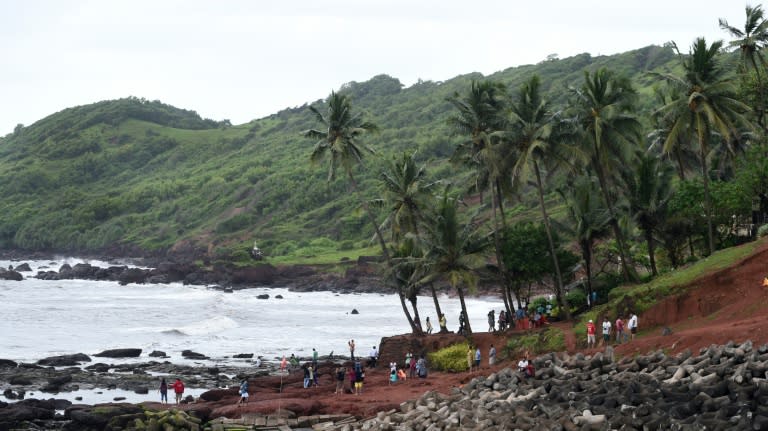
{"points": [[241, 60]]}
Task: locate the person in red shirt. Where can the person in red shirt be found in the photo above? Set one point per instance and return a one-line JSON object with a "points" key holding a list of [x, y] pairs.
{"points": [[619, 329], [590, 334], [178, 388]]}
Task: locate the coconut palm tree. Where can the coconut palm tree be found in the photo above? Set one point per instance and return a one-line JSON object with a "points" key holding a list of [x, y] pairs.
{"points": [[602, 108], [407, 192], [453, 249], [706, 104], [750, 42], [533, 132], [589, 216], [648, 188], [340, 141]]}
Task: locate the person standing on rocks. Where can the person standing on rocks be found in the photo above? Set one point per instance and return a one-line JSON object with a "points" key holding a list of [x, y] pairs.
{"points": [[606, 330], [163, 391], [178, 389], [590, 334], [619, 329], [492, 321], [421, 367], [359, 379], [351, 344], [315, 357], [412, 367], [373, 356], [429, 326], [492, 356], [632, 326], [341, 373]]}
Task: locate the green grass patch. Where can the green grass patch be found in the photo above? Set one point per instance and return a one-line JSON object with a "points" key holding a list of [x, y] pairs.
{"points": [[322, 257], [549, 340]]}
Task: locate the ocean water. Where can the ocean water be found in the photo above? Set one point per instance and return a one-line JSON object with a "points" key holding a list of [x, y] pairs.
{"points": [[45, 318]]}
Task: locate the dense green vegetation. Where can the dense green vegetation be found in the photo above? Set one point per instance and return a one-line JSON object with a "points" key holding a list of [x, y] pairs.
{"points": [[606, 169]]}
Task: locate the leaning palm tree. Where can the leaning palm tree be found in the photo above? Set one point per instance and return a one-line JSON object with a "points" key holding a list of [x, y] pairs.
{"points": [[406, 192], [589, 218], [340, 140], [452, 249], [533, 133], [707, 104], [750, 42], [603, 112], [648, 187]]}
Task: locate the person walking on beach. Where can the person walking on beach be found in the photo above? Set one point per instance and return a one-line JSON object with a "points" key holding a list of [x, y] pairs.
{"points": [[590, 334], [478, 357], [315, 357], [492, 356], [492, 321], [619, 329], [429, 326], [359, 378], [243, 392], [178, 389], [307, 375], [163, 391], [351, 344], [632, 326]]}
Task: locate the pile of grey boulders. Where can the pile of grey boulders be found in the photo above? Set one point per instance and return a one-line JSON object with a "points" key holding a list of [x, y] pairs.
{"points": [[722, 388]]}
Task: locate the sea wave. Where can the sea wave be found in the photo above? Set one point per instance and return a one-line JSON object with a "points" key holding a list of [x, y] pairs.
{"points": [[204, 327]]}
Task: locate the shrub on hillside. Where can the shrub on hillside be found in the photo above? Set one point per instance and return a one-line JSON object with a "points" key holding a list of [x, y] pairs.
{"points": [[548, 340], [762, 231], [452, 358]]}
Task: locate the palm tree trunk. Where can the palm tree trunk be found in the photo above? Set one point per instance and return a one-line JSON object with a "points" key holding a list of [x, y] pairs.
{"points": [[467, 327], [416, 319], [367, 208], [626, 263], [651, 253], [707, 198], [500, 203], [586, 254], [552, 251], [407, 313], [434, 298]]}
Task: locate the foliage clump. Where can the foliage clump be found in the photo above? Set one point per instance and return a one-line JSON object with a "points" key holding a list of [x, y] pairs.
{"points": [[549, 340], [452, 358]]}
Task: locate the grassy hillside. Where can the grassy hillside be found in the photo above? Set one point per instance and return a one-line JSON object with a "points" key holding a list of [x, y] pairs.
{"points": [[141, 174]]}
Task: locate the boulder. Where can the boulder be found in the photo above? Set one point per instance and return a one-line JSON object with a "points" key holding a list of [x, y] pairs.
{"points": [[263, 296], [7, 363], [243, 356], [120, 353], [193, 355], [6, 274], [64, 360], [24, 267], [258, 274], [158, 354], [133, 275]]}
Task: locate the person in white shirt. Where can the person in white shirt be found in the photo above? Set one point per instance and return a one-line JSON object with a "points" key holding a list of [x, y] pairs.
{"points": [[373, 356], [632, 326], [606, 330]]}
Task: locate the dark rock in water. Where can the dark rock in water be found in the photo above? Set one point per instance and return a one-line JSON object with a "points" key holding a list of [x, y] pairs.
{"points": [[143, 390], [120, 353], [47, 275], [57, 382], [7, 363], [8, 393], [278, 296], [78, 398], [193, 355], [354, 311], [14, 415], [263, 296], [158, 354], [158, 279], [99, 367], [12, 275], [84, 270], [258, 274], [213, 370], [243, 356], [60, 404], [64, 360], [24, 267], [133, 275]]}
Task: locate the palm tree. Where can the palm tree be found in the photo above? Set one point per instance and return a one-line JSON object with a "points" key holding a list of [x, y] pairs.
{"points": [[706, 104], [340, 139], [480, 113], [591, 220], [533, 134], [603, 113], [648, 185], [750, 41], [452, 249], [406, 191]]}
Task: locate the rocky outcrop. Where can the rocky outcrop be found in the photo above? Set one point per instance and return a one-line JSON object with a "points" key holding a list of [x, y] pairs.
{"points": [[64, 360], [10, 274], [193, 355]]}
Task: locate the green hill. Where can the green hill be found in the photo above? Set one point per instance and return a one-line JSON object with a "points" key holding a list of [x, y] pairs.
{"points": [[133, 175]]}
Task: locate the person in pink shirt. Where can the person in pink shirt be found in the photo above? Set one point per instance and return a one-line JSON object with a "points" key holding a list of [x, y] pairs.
{"points": [[619, 329], [590, 334]]}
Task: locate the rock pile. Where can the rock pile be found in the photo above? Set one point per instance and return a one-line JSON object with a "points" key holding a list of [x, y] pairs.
{"points": [[723, 387]]}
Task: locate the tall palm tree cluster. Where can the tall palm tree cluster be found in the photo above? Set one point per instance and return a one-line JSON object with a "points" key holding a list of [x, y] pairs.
{"points": [[626, 184]]}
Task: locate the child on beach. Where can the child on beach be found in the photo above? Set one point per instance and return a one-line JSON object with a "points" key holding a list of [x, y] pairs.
{"points": [[243, 392], [163, 391]]}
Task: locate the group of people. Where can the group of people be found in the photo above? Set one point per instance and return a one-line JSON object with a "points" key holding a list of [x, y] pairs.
{"points": [[620, 329], [475, 357]]}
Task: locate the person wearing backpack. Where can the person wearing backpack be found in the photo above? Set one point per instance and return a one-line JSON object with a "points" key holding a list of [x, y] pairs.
{"points": [[341, 373]]}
